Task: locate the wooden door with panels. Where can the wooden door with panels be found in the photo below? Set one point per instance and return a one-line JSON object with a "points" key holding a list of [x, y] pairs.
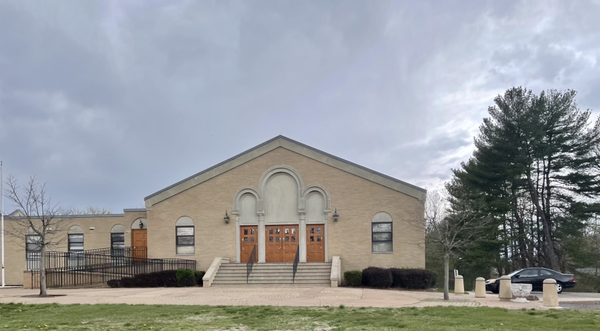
{"points": [[281, 243], [315, 243], [139, 244], [248, 243]]}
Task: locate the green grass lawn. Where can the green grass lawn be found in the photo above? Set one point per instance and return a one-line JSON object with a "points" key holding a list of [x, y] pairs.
{"points": [[142, 317]]}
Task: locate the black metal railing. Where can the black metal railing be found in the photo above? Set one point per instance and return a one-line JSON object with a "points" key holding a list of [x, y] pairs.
{"points": [[295, 265], [250, 263], [97, 266]]}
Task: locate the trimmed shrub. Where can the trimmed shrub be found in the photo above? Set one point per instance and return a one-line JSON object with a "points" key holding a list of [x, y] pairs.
{"points": [[412, 278], [185, 277], [114, 283], [167, 278], [198, 275], [398, 277], [353, 278], [377, 277]]}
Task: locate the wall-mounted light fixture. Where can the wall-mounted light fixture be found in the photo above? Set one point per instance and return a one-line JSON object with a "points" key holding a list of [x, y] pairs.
{"points": [[335, 215], [141, 225], [226, 218]]}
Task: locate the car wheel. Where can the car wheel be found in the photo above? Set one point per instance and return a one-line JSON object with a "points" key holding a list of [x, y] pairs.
{"points": [[559, 288]]}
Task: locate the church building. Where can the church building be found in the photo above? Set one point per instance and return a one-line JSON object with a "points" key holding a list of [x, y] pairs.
{"points": [[277, 203]]}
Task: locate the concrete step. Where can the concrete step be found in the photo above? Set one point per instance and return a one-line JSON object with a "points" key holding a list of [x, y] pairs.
{"points": [[273, 274], [289, 274], [275, 266], [270, 281]]}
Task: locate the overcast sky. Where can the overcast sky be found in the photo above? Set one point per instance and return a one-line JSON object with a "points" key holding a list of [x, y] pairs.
{"points": [[110, 101]]}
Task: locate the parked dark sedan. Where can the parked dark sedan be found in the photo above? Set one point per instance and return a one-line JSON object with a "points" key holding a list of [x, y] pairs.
{"points": [[535, 277]]}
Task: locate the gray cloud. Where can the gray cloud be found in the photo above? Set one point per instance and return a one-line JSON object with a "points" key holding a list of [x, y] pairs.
{"points": [[110, 101]]}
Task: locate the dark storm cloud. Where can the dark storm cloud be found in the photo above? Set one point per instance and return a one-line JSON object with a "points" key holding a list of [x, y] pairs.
{"points": [[109, 101]]}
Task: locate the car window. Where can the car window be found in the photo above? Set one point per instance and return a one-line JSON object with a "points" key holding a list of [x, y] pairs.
{"points": [[545, 273], [528, 273], [514, 273]]}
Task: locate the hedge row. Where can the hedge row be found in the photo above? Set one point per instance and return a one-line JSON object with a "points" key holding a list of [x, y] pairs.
{"points": [[167, 278], [392, 277]]}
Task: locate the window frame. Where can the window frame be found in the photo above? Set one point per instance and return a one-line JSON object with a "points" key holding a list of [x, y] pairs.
{"points": [[76, 256], [32, 256], [120, 249], [391, 240], [192, 236], [70, 242]]}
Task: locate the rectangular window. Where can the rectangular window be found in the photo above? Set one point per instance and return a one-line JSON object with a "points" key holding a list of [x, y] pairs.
{"points": [[117, 243], [76, 242], [382, 237], [117, 247], [76, 256], [32, 251], [184, 239]]}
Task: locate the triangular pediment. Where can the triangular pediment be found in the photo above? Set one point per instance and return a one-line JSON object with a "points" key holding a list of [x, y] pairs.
{"points": [[294, 146]]}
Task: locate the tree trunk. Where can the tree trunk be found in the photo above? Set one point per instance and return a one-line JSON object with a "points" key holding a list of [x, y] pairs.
{"points": [[551, 255], [521, 232], [42, 270], [446, 276]]}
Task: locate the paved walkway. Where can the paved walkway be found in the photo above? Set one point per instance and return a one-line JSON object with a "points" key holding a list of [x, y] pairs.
{"points": [[251, 296]]}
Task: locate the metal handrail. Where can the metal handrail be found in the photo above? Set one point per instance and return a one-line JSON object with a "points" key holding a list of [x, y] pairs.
{"points": [[250, 263], [295, 266]]}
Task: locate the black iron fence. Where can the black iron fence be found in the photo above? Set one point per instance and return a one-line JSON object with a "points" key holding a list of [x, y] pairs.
{"points": [[97, 266]]}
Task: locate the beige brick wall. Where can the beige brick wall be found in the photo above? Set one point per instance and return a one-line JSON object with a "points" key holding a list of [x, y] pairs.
{"points": [[356, 199], [99, 237]]}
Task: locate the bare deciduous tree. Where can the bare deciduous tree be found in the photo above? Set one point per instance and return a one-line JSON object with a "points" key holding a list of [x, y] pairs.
{"points": [[37, 223], [451, 234]]}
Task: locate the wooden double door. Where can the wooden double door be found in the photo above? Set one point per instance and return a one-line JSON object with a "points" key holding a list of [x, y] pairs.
{"points": [[281, 243]]}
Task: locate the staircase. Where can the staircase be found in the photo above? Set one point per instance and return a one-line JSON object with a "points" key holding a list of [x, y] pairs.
{"points": [[308, 274]]}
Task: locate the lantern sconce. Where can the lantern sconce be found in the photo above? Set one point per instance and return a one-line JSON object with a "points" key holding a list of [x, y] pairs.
{"points": [[141, 225], [335, 215], [226, 218]]}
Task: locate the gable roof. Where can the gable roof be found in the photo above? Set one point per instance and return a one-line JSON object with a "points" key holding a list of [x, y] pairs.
{"points": [[295, 146]]}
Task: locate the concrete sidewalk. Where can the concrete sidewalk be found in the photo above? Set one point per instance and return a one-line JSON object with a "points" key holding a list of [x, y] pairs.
{"points": [[255, 296]]}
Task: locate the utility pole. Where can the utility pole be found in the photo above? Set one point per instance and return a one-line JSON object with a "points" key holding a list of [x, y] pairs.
{"points": [[2, 220]]}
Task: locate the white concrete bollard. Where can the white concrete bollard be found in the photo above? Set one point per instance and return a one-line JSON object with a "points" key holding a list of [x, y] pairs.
{"points": [[459, 285], [480, 287], [550, 294], [505, 292]]}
